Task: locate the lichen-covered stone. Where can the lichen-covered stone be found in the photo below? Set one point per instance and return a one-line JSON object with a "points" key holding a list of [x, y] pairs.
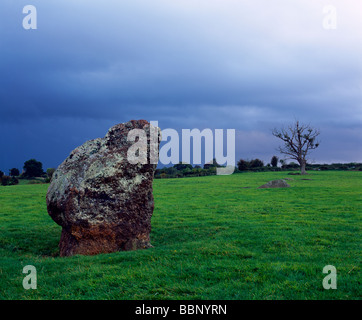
{"points": [[103, 202]]}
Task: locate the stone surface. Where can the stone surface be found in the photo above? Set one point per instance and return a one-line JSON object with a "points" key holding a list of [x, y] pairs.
{"points": [[276, 184], [103, 202]]}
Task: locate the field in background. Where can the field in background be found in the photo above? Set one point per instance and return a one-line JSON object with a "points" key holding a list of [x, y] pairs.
{"points": [[215, 237]]}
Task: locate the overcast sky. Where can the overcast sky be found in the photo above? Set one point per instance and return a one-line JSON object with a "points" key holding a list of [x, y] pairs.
{"points": [[245, 65]]}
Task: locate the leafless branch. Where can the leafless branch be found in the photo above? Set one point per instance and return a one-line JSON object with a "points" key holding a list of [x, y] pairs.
{"points": [[299, 139]]}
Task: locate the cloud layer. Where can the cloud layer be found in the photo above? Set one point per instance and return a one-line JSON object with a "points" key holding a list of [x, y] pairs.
{"points": [[247, 65]]}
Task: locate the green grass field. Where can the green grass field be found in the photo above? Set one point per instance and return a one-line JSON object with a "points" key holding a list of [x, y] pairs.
{"points": [[216, 237]]}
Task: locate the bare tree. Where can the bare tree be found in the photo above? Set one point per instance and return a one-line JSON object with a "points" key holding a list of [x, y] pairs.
{"points": [[299, 139]]}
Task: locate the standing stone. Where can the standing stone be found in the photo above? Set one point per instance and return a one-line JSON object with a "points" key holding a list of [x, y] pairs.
{"points": [[103, 202]]}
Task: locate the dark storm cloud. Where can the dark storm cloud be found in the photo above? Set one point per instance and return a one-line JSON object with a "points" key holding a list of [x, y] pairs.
{"points": [[248, 65]]}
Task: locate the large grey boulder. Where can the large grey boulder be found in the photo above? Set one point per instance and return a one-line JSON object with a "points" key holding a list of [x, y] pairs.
{"points": [[276, 184], [103, 202]]}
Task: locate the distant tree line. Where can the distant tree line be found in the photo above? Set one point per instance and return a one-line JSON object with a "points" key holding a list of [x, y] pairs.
{"points": [[181, 170], [257, 165], [187, 170], [32, 170]]}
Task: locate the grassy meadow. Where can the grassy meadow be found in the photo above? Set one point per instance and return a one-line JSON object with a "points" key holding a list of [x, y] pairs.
{"points": [[215, 237]]}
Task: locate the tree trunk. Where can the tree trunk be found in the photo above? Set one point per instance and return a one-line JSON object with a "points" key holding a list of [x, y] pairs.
{"points": [[302, 167]]}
